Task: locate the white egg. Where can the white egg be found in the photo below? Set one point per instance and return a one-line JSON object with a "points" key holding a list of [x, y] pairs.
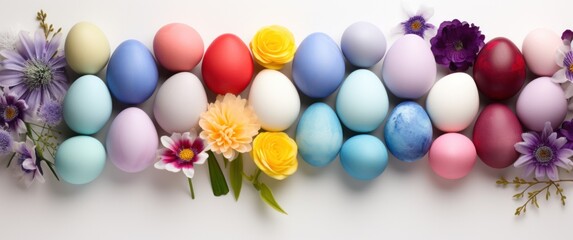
{"points": [[179, 103], [275, 100], [453, 102]]}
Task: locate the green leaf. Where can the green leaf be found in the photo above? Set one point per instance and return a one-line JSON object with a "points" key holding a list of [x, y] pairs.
{"points": [[218, 182], [267, 196], [236, 176]]}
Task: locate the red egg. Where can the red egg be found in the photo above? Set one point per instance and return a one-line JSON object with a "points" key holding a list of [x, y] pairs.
{"points": [[499, 69], [496, 131], [227, 65]]}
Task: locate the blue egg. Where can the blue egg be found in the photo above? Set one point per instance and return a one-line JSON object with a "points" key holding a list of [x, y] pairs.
{"points": [[318, 135], [132, 73], [408, 132], [362, 101], [364, 157], [87, 105], [318, 66], [80, 159]]}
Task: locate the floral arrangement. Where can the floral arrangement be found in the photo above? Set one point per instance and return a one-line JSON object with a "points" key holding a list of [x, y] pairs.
{"points": [[238, 131]]}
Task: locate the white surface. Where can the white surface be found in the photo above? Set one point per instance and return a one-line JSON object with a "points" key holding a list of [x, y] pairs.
{"points": [[406, 202]]}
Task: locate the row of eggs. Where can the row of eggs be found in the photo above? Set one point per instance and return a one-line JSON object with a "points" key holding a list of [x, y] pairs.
{"points": [[318, 70]]}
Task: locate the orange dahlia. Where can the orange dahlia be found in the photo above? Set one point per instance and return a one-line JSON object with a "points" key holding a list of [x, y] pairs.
{"points": [[229, 125]]}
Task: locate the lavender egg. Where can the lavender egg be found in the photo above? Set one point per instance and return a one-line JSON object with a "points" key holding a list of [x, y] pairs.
{"points": [[409, 70], [540, 101], [363, 44]]}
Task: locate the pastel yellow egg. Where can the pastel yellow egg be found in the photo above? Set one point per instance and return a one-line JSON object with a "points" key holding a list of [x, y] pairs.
{"points": [[87, 48]]}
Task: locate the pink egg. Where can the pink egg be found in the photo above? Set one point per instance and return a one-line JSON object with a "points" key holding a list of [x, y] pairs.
{"points": [[132, 140], [540, 101], [539, 49], [452, 156], [178, 47]]}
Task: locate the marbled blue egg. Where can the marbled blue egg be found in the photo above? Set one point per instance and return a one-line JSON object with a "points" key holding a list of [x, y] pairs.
{"points": [[364, 157], [132, 73], [318, 66], [319, 135], [362, 101], [408, 132]]}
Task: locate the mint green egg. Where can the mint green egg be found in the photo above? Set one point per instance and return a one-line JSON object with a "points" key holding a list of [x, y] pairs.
{"points": [[87, 105], [80, 159]]}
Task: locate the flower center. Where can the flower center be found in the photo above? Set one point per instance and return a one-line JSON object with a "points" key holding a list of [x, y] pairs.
{"points": [[10, 113], [186, 154], [544, 154], [37, 74], [571, 68], [459, 45], [416, 25]]}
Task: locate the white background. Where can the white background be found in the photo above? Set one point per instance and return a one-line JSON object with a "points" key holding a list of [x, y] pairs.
{"points": [[406, 202]]}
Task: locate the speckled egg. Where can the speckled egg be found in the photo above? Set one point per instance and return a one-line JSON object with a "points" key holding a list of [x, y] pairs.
{"points": [[408, 132], [318, 135]]}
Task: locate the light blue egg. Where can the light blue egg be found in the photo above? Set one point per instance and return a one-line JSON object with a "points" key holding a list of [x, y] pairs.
{"points": [[80, 159], [362, 101], [318, 66], [87, 105], [408, 132], [318, 135], [132, 73], [364, 157]]}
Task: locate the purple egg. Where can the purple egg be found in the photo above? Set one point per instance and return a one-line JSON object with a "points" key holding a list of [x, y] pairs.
{"points": [[363, 44], [409, 70], [132, 141], [540, 101]]}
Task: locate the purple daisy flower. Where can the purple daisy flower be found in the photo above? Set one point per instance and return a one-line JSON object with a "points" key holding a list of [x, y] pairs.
{"points": [[567, 37], [51, 113], [543, 153], [6, 142], [29, 165], [13, 111], [456, 44], [417, 23], [35, 72], [181, 152]]}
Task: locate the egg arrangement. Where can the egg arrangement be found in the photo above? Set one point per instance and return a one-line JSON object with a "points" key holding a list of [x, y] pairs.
{"points": [[426, 106]]}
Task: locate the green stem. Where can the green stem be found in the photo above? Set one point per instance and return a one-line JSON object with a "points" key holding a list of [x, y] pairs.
{"points": [[191, 188], [51, 166], [10, 161]]}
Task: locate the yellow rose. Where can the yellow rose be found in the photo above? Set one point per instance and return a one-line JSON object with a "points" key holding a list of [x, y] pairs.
{"points": [[273, 47], [275, 154]]}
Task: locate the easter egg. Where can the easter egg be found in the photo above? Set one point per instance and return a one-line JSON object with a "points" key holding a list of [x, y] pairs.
{"points": [[318, 66], [131, 73], [539, 49], [363, 44], [499, 70], [318, 135], [452, 156], [453, 102], [227, 65], [80, 159], [540, 101], [496, 131], [132, 141], [179, 103], [409, 69], [363, 157], [87, 105], [362, 101], [275, 100], [178, 47], [87, 48], [408, 132]]}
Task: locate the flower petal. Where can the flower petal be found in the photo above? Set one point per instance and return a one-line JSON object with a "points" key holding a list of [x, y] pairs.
{"points": [[523, 160], [172, 167], [523, 148], [189, 172], [159, 165], [540, 172], [552, 173], [559, 76]]}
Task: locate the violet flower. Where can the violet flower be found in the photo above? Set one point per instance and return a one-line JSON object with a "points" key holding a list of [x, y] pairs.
{"points": [[456, 44]]}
